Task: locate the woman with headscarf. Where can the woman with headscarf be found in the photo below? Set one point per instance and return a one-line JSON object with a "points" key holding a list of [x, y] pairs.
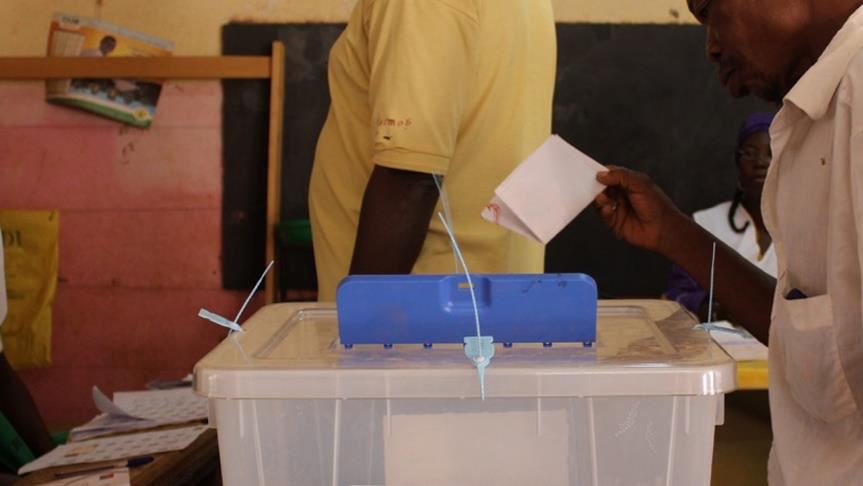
{"points": [[738, 223]]}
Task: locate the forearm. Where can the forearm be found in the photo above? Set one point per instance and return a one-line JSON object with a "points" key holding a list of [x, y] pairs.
{"points": [[394, 219], [18, 407], [745, 291]]}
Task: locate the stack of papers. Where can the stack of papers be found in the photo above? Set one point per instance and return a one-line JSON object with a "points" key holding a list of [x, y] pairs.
{"points": [[113, 477], [739, 344], [141, 410], [120, 447]]}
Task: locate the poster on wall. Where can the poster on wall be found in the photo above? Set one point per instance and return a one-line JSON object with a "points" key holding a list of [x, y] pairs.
{"points": [[131, 101], [31, 254]]}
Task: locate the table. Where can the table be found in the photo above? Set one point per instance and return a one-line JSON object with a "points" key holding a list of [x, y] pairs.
{"points": [[752, 375]]}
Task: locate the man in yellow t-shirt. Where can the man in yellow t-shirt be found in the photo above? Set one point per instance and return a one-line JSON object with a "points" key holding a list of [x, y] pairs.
{"points": [[458, 88]]}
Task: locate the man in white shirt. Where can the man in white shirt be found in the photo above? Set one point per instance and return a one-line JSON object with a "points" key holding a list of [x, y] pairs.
{"points": [[808, 55]]}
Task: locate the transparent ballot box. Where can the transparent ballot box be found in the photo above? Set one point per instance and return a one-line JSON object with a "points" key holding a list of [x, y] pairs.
{"points": [[294, 407]]}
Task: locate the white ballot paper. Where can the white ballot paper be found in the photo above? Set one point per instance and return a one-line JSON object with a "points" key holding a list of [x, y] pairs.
{"points": [[546, 191]]}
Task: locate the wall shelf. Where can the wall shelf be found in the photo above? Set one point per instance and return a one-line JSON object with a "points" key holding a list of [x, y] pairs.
{"points": [[216, 67]]}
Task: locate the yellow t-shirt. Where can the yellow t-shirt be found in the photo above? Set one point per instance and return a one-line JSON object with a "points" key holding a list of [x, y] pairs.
{"points": [[461, 88]]}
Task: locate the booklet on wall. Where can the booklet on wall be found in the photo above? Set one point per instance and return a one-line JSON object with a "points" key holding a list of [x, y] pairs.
{"points": [[131, 101]]}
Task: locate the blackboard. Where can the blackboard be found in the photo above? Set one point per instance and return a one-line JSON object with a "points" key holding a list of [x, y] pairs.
{"points": [[640, 96], [245, 113]]}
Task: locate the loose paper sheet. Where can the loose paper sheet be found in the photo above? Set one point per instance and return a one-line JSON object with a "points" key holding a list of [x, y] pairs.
{"points": [[546, 191], [141, 410]]}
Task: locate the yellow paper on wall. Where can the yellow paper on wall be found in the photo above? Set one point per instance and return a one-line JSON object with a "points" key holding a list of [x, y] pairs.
{"points": [[30, 248]]}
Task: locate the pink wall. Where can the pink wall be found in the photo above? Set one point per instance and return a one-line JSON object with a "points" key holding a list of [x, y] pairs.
{"points": [[140, 237]]}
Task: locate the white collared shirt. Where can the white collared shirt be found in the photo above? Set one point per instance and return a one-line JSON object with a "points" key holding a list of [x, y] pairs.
{"points": [[813, 208], [715, 220]]}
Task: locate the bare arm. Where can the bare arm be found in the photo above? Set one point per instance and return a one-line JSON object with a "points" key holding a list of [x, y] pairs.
{"points": [[18, 407], [394, 219], [640, 213]]}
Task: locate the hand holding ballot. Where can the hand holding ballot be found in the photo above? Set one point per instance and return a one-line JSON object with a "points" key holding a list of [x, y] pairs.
{"points": [[557, 182], [636, 209], [639, 212]]}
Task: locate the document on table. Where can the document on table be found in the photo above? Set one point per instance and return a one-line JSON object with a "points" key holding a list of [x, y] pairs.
{"points": [[165, 406], [546, 191], [141, 410], [113, 477], [742, 346], [118, 447]]}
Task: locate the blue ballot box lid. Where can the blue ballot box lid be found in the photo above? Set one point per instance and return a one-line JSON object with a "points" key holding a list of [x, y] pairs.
{"points": [[436, 309]]}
